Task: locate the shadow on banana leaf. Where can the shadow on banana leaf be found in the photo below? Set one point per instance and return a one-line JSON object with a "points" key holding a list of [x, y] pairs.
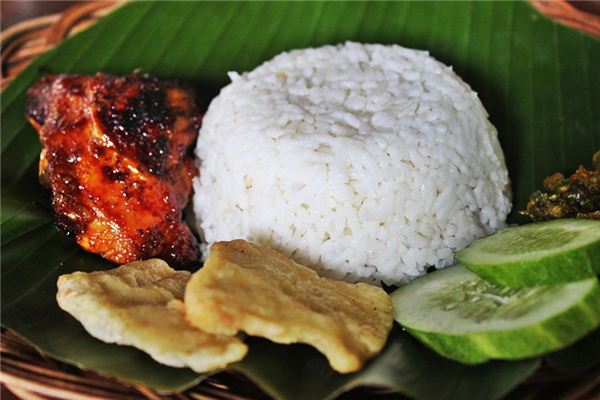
{"points": [[299, 372]]}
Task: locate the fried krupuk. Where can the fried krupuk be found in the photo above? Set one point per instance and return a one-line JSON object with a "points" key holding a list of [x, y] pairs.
{"points": [[251, 288], [139, 304]]}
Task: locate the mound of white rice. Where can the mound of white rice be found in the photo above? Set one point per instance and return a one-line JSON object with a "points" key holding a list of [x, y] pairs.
{"points": [[365, 162]]}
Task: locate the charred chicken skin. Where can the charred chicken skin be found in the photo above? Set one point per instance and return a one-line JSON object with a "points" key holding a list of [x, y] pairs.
{"points": [[116, 153]]}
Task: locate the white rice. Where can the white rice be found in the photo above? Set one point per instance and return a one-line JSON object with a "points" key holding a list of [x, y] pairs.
{"points": [[365, 162]]}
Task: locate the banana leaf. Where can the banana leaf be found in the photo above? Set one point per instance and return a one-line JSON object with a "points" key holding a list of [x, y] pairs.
{"points": [[578, 358], [539, 82]]}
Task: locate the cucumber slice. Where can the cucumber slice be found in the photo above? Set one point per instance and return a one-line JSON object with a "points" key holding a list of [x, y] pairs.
{"points": [[467, 319], [543, 253]]}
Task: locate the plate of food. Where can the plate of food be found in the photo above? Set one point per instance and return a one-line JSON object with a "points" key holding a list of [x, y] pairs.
{"points": [[314, 196]]}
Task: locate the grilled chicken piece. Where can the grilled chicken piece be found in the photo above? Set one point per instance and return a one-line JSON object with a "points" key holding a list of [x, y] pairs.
{"points": [[117, 157]]}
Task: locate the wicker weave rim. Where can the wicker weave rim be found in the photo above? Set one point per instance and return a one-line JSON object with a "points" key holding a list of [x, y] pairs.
{"points": [[30, 375], [22, 42]]}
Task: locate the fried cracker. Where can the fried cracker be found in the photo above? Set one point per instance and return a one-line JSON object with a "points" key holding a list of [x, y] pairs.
{"points": [[251, 288], [139, 304]]}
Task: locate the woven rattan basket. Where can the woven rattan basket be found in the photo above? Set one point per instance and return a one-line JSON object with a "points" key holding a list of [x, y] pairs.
{"points": [[30, 375]]}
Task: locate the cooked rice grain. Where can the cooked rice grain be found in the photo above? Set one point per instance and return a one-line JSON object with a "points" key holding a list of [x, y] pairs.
{"points": [[365, 162]]}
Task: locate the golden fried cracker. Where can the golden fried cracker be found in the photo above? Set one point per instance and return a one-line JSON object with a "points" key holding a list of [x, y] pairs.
{"points": [[252, 288], [139, 304]]}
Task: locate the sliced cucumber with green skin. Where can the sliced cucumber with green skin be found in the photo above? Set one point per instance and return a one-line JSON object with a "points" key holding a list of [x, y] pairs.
{"points": [[541, 253], [467, 319]]}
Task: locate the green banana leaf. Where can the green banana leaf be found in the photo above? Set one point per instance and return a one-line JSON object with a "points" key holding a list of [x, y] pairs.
{"points": [[578, 358], [298, 372], [538, 80]]}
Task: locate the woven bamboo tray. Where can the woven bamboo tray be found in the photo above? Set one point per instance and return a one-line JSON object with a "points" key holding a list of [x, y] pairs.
{"points": [[28, 374]]}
